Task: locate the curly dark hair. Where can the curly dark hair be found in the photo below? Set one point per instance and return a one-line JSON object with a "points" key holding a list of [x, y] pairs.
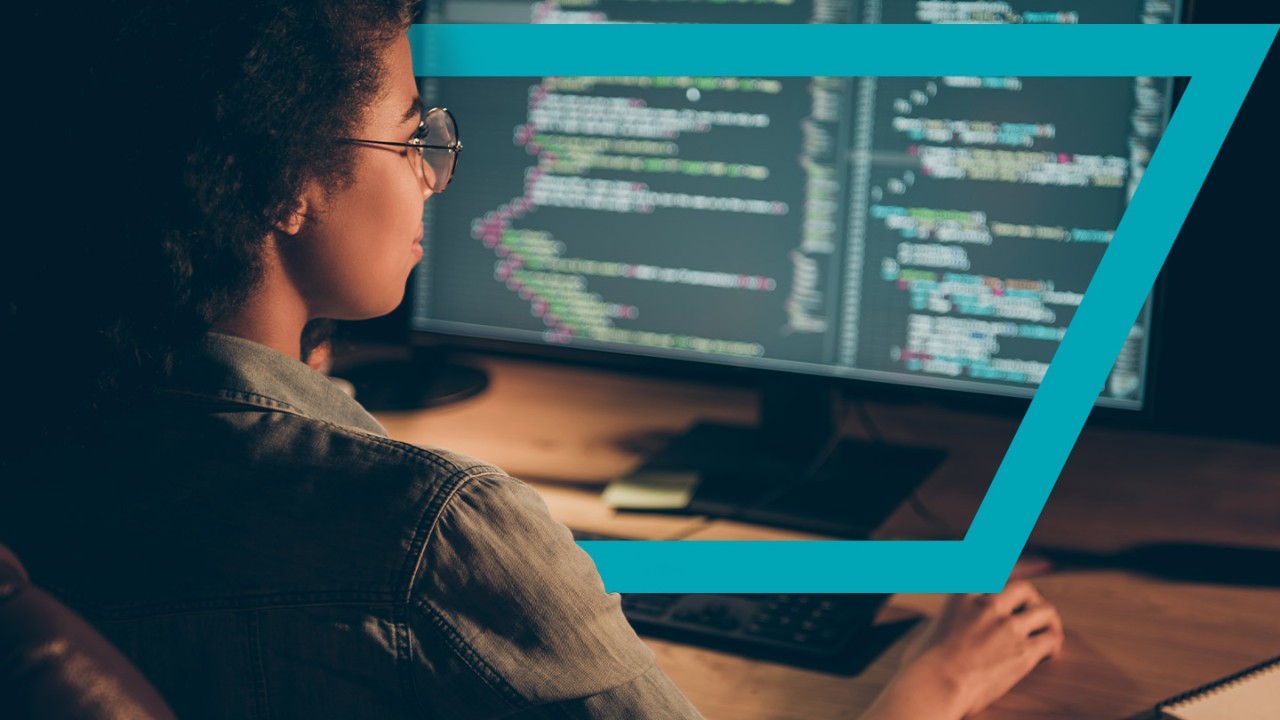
{"points": [[180, 136]]}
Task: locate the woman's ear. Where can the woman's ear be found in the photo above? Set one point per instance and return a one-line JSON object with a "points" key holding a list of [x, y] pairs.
{"points": [[307, 203], [292, 225]]}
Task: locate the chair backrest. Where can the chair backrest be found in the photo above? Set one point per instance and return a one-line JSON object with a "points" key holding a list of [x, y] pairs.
{"points": [[53, 664]]}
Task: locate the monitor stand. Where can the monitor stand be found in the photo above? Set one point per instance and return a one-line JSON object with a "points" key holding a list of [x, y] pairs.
{"points": [[426, 379], [793, 470]]}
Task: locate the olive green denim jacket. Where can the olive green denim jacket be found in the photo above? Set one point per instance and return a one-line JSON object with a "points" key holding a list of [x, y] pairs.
{"points": [[260, 548]]}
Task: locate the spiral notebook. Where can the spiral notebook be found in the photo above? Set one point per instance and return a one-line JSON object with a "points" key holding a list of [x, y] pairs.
{"points": [[1251, 694]]}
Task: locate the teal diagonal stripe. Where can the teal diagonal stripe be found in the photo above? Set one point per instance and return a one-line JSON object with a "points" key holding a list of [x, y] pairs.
{"points": [[885, 50], [1222, 61]]}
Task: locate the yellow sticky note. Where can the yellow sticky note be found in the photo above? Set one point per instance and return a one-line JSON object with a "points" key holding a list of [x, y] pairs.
{"points": [[652, 490]]}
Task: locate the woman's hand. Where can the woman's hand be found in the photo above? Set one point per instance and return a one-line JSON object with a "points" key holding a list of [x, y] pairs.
{"points": [[974, 652]]}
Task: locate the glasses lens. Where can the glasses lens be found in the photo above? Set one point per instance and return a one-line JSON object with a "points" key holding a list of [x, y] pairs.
{"points": [[441, 132]]}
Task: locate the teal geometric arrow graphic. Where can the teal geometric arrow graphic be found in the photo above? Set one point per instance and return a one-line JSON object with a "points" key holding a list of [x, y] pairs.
{"points": [[1221, 61]]}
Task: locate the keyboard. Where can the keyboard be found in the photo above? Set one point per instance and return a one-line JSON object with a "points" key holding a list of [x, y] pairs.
{"points": [[830, 632]]}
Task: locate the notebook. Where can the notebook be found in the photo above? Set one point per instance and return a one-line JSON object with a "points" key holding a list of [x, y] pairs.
{"points": [[1251, 694]]}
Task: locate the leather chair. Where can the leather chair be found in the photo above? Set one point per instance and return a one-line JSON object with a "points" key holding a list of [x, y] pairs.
{"points": [[53, 664]]}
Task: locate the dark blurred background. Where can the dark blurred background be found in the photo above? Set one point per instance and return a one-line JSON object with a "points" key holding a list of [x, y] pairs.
{"points": [[1218, 369]]}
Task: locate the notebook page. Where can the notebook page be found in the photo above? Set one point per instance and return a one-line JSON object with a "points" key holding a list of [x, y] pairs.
{"points": [[1255, 697]]}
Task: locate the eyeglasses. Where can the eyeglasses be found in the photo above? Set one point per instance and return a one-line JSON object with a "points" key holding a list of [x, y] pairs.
{"points": [[436, 141]]}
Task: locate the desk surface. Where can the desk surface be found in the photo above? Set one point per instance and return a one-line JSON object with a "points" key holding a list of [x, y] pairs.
{"points": [[1131, 639]]}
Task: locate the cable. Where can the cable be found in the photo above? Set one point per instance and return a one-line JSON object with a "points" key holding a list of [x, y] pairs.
{"points": [[932, 518], [811, 470], [913, 500], [868, 425], [806, 475]]}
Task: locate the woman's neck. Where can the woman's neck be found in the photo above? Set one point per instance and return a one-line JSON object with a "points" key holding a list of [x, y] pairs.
{"points": [[273, 315]]}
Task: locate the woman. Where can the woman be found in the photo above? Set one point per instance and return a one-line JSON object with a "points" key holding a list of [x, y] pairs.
{"points": [[246, 533]]}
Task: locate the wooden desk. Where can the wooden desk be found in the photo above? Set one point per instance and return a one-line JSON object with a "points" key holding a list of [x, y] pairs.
{"points": [[1131, 640]]}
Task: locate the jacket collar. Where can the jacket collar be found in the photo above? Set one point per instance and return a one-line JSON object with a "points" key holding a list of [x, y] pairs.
{"points": [[241, 371]]}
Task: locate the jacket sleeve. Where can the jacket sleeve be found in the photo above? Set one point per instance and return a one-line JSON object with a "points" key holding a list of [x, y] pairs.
{"points": [[509, 618]]}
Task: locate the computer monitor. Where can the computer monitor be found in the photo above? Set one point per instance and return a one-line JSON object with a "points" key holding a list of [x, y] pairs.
{"points": [[930, 233]]}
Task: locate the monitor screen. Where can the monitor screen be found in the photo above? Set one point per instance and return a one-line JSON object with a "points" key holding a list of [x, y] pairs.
{"points": [[925, 231]]}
